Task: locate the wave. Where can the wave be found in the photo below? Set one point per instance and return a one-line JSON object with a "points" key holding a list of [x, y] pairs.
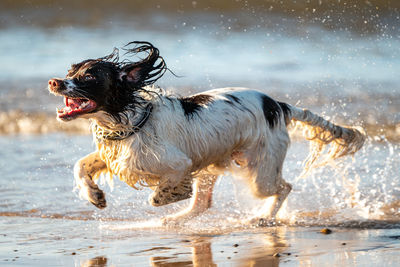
{"points": [[20, 122]]}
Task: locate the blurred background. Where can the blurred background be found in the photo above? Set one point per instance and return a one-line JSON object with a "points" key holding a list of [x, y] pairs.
{"points": [[336, 56]]}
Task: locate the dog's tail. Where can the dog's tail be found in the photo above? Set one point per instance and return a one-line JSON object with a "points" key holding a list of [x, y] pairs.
{"points": [[343, 140]]}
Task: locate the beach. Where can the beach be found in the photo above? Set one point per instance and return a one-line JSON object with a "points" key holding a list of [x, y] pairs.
{"points": [[338, 60], [274, 246]]}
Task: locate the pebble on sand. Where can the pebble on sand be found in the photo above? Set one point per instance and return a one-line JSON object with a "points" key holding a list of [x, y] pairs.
{"points": [[326, 231]]}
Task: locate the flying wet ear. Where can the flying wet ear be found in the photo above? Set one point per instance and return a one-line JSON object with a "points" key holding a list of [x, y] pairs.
{"points": [[134, 75], [145, 71]]}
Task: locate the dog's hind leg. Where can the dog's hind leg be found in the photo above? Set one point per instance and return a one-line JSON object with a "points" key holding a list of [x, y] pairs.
{"points": [[268, 212], [269, 186], [266, 179], [200, 202], [84, 171]]}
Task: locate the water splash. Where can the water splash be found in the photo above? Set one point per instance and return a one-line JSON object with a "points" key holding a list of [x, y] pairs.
{"points": [[359, 192], [359, 189]]}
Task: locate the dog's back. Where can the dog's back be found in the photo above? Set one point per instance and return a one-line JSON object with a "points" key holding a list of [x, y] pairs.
{"points": [[210, 126]]}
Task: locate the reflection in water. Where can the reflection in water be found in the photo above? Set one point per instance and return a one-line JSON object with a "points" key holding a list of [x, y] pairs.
{"points": [[100, 261], [264, 249], [201, 255], [268, 251]]}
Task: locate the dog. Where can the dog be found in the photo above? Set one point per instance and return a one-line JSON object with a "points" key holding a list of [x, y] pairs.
{"points": [[178, 146]]}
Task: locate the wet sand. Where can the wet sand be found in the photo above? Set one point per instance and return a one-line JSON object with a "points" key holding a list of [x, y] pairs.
{"points": [[27, 242]]}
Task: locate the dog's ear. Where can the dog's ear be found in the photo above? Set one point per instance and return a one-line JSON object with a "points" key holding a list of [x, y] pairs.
{"points": [[134, 75], [147, 70]]}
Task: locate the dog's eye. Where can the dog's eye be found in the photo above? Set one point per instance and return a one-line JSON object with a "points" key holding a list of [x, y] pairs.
{"points": [[89, 77]]}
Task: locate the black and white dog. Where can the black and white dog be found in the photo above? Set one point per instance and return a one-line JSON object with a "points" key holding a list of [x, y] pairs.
{"points": [[180, 145]]}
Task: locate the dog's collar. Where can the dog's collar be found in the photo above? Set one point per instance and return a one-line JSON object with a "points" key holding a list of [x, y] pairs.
{"points": [[106, 134]]}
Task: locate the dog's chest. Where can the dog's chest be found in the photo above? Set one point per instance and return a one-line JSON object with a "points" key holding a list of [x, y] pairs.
{"points": [[127, 163]]}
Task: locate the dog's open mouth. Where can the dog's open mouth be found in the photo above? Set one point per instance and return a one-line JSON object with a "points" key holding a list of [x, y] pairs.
{"points": [[75, 107]]}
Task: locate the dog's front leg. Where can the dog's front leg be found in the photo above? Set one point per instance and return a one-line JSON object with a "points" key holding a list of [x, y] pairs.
{"points": [[167, 193], [200, 202], [176, 181], [84, 170]]}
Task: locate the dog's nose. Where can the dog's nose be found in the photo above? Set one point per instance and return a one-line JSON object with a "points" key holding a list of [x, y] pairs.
{"points": [[54, 83]]}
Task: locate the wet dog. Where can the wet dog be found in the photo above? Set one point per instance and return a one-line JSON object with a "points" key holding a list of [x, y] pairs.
{"points": [[180, 145]]}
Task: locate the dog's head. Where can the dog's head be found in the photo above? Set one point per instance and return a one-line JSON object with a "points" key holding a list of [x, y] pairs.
{"points": [[107, 84]]}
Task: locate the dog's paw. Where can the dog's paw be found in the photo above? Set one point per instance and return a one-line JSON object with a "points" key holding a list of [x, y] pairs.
{"points": [[97, 198], [180, 218], [90, 191], [164, 195]]}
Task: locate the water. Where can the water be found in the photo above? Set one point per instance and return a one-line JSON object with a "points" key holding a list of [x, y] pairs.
{"points": [[338, 60], [38, 182], [42, 221]]}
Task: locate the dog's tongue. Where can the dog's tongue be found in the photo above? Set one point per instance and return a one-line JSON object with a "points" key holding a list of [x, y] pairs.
{"points": [[72, 103], [75, 107]]}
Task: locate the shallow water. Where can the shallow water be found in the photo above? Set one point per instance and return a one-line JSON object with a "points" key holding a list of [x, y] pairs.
{"points": [[339, 60], [44, 222], [38, 182]]}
